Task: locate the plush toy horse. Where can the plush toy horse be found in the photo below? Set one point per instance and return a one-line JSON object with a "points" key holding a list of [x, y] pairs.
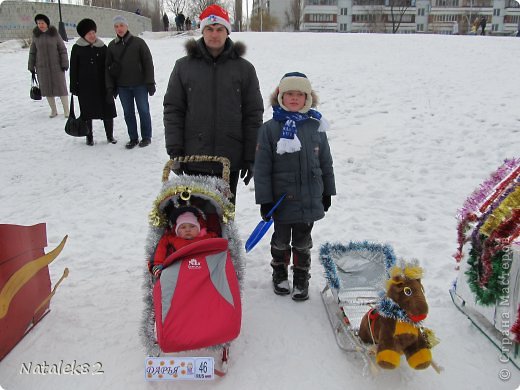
{"points": [[395, 323]]}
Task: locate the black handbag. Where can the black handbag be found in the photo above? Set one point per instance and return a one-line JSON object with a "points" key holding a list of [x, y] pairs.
{"points": [[75, 127], [35, 93]]}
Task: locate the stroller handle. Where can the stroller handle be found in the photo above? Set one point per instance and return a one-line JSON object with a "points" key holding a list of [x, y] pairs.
{"points": [[223, 160]]}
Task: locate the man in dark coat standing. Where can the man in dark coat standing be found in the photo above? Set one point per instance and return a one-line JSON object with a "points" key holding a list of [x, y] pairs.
{"points": [[213, 104], [130, 73]]}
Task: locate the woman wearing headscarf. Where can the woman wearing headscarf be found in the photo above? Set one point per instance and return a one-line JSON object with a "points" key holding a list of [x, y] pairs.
{"points": [[48, 58], [87, 79]]}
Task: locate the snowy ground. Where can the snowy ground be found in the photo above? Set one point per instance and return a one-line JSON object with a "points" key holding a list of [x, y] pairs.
{"points": [[417, 122]]}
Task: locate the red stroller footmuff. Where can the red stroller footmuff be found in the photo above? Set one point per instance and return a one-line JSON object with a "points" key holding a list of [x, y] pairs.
{"points": [[197, 298]]}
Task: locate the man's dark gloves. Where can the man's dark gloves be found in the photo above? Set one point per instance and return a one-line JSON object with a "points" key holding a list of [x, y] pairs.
{"points": [[247, 172], [151, 89], [325, 199], [264, 210]]}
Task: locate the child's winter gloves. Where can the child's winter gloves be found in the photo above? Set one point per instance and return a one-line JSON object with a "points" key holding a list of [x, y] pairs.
{"points": [[325, 199], [156, 270], [264, 210]]}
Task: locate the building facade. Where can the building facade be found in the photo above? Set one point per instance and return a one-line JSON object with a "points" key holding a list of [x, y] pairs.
{"points": [[402, 16]]}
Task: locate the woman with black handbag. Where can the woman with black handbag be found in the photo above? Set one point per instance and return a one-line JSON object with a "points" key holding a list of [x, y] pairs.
{"points": [[87, 79], [48, 58]]}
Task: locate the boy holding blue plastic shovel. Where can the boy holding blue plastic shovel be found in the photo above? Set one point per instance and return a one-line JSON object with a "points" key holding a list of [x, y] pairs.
{"points": [[293, 158]]}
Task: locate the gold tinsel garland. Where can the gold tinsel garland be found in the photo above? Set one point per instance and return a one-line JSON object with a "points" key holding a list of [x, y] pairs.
{"points": [[502, 212]]}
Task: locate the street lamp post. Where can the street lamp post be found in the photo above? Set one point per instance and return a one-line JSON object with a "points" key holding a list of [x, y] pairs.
{"points": [[61, 25]]}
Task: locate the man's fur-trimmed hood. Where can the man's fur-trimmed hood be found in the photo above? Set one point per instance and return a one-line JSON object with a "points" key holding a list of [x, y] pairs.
{"points": [[197, 49], [51, 31]]}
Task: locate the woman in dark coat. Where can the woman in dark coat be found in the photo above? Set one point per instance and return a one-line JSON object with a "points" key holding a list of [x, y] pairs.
{"points": [[48, 57], [87, 79]]}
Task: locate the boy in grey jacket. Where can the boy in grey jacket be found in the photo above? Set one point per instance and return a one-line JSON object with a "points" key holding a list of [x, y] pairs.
{"points": [[293, 158]]}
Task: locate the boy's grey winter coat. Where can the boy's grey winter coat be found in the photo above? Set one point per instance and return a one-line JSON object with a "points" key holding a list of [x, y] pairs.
{"points": [[213, 106], [305, 176], [48, 58]]}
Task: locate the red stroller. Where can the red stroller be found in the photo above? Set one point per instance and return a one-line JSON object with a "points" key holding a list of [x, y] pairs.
{"points": [[195, 305]]}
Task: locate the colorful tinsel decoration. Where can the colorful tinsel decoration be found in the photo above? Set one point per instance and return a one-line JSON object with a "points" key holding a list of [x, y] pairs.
{"points": [[516, 327], [490, 221]]}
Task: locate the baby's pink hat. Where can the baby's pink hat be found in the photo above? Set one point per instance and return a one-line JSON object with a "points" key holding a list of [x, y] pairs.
{"points": [[187, 217]]}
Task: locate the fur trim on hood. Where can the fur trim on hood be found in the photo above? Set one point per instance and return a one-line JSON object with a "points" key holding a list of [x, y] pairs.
{"points": [[83, 42], [194, 48], [51, 31], [273, 98]]}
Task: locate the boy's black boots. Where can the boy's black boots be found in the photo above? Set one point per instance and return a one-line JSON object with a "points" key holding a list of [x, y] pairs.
{"points": [[300, 284], [280, 279]]}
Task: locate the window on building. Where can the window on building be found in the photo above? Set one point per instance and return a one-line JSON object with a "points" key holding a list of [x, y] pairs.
{"points": [[344, 11], [494, 27], [420, 12], [496, 12], [343, 27], [420, 27]]}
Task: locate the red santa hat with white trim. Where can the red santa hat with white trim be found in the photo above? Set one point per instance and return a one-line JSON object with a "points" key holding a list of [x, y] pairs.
{"points": [[214, 14]]}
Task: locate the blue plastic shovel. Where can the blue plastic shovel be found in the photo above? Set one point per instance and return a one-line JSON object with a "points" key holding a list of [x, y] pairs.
{"points": [[262, 227]]}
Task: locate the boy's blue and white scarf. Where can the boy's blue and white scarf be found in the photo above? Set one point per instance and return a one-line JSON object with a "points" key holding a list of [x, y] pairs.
{"points": [[289, 142]]}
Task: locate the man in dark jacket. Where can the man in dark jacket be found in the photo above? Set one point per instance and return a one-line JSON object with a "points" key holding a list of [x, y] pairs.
{"points": [[213, 104], [130, 73]]}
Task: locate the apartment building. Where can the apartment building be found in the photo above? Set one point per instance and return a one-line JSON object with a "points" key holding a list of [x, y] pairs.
{"points": [[402, 16]]}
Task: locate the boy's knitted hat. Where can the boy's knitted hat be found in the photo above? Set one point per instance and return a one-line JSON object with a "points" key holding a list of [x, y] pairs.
{"points": [[187, 217], [42, 17], [214, 15], [85, 26], [295, 81], [119, 19]]}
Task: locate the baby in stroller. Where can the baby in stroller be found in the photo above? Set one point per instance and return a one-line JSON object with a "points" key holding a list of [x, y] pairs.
{"points": [[195, 304], [186, 226]]}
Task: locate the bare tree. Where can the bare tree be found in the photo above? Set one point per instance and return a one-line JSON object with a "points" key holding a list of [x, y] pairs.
{"points": [[397, 10], [377, 20], [268, 22], [175, 6], [294, 15]]}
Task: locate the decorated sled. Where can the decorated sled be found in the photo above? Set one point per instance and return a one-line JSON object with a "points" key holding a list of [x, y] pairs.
{"points": [[487, 289], [25, 285], [367, 296], [194, 308]]}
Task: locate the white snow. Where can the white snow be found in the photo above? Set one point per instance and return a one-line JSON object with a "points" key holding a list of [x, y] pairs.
{"points": [[417, 123]]}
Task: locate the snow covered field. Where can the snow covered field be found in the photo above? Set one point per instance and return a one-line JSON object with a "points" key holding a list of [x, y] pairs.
{"points": [[417, 122]]}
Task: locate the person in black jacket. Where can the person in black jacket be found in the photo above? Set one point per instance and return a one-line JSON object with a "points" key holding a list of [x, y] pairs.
{"points": [[213, 104], [130, 74], [87, 79]]}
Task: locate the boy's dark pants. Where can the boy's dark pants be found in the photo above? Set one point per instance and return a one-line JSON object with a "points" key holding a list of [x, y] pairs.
{"points": [[300, 245]]}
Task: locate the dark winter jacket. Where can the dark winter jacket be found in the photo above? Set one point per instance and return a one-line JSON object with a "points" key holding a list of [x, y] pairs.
{"points": [[48, 58], [305, 176], [87, 79], [137, 63], [213, 106]]}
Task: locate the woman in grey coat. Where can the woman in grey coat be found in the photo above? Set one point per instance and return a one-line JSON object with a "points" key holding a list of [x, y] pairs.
{"points": [[293, 158], [48, 58]]}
